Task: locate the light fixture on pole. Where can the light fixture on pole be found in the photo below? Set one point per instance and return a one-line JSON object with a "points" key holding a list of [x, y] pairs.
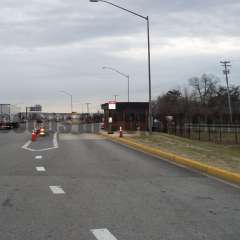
{"points": [[71, 102], [123, 74], [149, 57]]}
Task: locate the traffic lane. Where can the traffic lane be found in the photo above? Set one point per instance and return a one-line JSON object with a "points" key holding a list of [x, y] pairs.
{"points": [[12, 156], [13, 137], [16, 161], [100, 196], [139, 196], [30, 211], [89, 155], [139, 210]]}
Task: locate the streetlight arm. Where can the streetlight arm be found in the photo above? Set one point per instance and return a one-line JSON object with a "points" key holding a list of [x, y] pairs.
{"points": [[122, 74], [115, 70], [134, 13], [71, 98], [67, 93]]}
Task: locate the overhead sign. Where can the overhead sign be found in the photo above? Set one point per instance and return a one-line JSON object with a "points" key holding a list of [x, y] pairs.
{"points": [[36, 108], [112, 105]]}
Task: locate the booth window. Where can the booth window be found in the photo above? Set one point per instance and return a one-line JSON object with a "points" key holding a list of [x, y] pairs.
{"points": [[130, 117]]}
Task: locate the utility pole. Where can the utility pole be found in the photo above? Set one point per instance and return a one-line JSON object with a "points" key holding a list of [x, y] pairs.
{"points": [[226, 72], [115, 97], [82, 108], [26, 113]]}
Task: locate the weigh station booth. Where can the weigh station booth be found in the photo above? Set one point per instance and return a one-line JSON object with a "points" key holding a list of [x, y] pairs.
{"points": [[130, 116]]}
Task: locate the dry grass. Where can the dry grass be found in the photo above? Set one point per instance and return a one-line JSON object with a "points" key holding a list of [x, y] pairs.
{"points": [[223, 156]]}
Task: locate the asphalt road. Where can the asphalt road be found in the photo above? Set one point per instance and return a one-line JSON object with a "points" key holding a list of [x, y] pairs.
{"points": [[103, 185]]}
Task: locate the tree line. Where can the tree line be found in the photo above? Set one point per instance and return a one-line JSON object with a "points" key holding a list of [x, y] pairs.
{"points": [[205, 100]]}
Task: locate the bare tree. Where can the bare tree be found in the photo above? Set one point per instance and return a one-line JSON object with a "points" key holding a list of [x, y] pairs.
{"points": [[204, 88], [204, 102]]}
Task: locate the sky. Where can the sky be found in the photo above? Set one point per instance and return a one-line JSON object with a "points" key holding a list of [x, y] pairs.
{"points": [[50, 46]]}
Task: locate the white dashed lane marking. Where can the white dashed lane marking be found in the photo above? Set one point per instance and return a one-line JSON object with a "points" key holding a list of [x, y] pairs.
{"points": [[57, 189], [40, 169], [38, 157], [102, 234]]}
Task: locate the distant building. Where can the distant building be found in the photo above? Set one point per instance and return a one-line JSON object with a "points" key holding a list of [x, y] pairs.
{"points": [[128, 115], [36, 108]]}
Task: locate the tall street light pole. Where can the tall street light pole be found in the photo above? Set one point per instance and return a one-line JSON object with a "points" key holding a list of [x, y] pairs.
{"points": [[149, 57], [71, 101], [82, 108], [123, 74], [27, 113]]}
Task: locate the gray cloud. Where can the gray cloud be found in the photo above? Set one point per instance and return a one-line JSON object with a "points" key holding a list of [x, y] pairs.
{"points": [[47, 46]]}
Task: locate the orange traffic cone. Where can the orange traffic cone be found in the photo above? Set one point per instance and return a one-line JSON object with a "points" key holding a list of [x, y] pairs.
{"points": [[120, 132], [34, 136]]}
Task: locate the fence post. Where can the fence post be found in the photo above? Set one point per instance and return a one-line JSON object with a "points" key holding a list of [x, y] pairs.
{"points": [[209, 133], [236, 135], [220, 133], [199, 132], [189, 131], [181, 130]]}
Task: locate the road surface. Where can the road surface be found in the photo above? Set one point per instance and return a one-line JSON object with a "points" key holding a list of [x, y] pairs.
{"points": [[88, 188]]}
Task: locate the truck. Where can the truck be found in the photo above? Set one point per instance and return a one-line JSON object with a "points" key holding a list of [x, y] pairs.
{"points": [[9, 116]]}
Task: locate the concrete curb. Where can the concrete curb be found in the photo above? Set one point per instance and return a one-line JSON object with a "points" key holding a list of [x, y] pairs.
{"points": [[214, 171]]}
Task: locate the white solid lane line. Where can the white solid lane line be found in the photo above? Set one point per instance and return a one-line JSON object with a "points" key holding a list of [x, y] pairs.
{"points": [[103, 234], [55, 141], [25, 146], [57, 189], [38, 157], [55, 145], [41, 169]]}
